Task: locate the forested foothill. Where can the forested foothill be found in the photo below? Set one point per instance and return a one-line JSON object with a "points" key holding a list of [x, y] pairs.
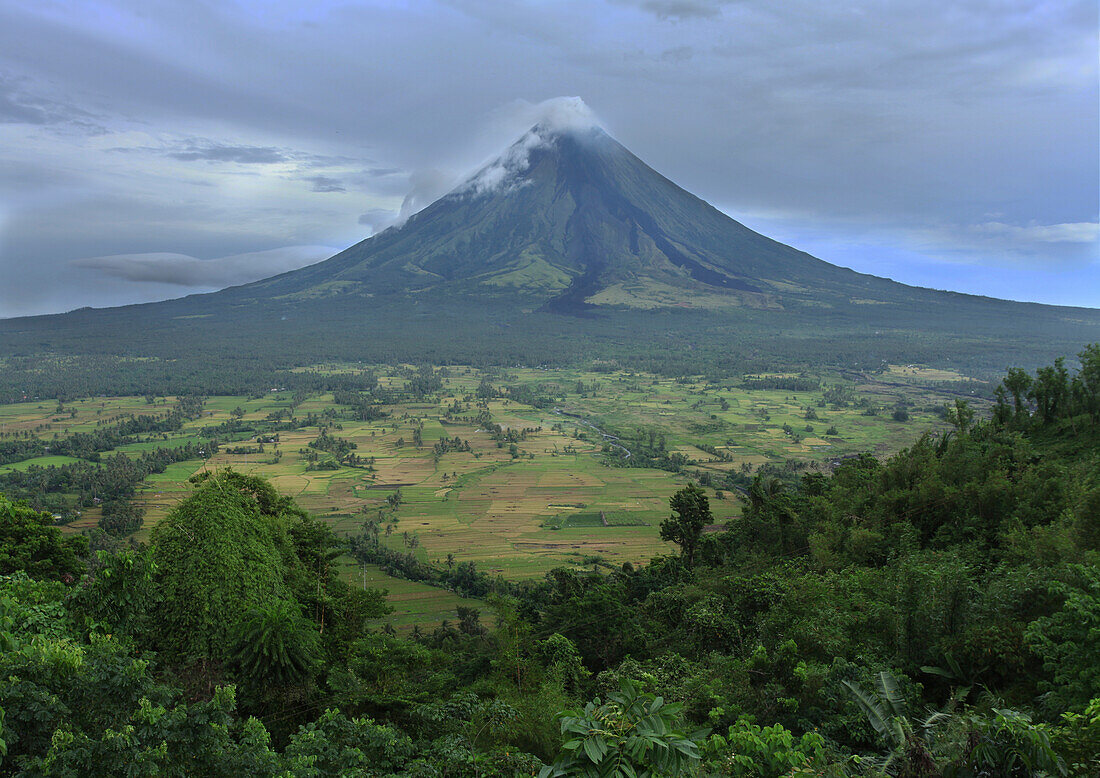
{"points": [[933, 613], [199, 346]]}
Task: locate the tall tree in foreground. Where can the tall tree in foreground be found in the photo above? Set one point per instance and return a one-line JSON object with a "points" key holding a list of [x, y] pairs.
{"points": [[219, 553], [691, 513]]}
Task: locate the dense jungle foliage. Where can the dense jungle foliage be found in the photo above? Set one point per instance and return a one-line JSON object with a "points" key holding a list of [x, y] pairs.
{"points": [[934, 614]]}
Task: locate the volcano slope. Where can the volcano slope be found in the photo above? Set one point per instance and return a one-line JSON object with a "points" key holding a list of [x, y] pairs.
{"points": [[568, 247]]}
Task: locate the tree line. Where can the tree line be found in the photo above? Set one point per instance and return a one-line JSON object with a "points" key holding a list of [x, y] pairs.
{"points": [[88, 445]]}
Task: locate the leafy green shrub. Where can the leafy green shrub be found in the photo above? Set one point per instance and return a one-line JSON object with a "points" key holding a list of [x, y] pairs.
{"points": [[750, 751], [218, 553], [1068, 640], [1077, 739], [338, 745], [1008, 745], [632, 735]]}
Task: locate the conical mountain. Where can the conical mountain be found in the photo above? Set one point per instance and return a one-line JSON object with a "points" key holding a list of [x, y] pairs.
{"points": [[570, 219]]}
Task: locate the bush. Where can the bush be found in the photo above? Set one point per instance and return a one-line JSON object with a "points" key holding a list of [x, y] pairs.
{"points": [[633, 733], [763, 752]]}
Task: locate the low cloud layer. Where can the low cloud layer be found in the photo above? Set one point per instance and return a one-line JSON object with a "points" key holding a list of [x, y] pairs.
{"points": [[195, 273], [1077, 232], [214, 152], [377, 219], [16, 109], [326, 184], [677, 10], [501, 174], [425, 187]]}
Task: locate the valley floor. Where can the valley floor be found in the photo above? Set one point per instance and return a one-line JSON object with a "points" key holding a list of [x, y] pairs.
{"points": [[517, 471]]}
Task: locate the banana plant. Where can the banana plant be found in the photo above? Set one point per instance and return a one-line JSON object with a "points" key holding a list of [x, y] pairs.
{"points": [[888, 714]]}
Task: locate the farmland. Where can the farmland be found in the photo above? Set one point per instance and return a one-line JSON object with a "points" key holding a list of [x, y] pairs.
{"points": [[517, 471]]}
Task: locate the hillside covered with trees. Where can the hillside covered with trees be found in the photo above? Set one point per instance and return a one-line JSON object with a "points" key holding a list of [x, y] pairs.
{"points": [[933, 614]]}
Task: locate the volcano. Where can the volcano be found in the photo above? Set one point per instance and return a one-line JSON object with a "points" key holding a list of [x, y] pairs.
{"points": [[571, 221], [568, 246]]}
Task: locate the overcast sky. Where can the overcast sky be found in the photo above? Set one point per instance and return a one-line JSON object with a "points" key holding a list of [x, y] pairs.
{"points": [[150, 149]]}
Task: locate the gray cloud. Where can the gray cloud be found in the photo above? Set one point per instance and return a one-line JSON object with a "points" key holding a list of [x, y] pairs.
{"points": [[326, 184], [20, 105], [14, 108], [1076, 232], [425, 187], [187, 271], [678, 54], [681, 9], [214, 152], [208, 150], [377, 219]]}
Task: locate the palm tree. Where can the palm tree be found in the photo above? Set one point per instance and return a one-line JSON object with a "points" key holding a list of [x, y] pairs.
{"points": [[275, 644]]}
